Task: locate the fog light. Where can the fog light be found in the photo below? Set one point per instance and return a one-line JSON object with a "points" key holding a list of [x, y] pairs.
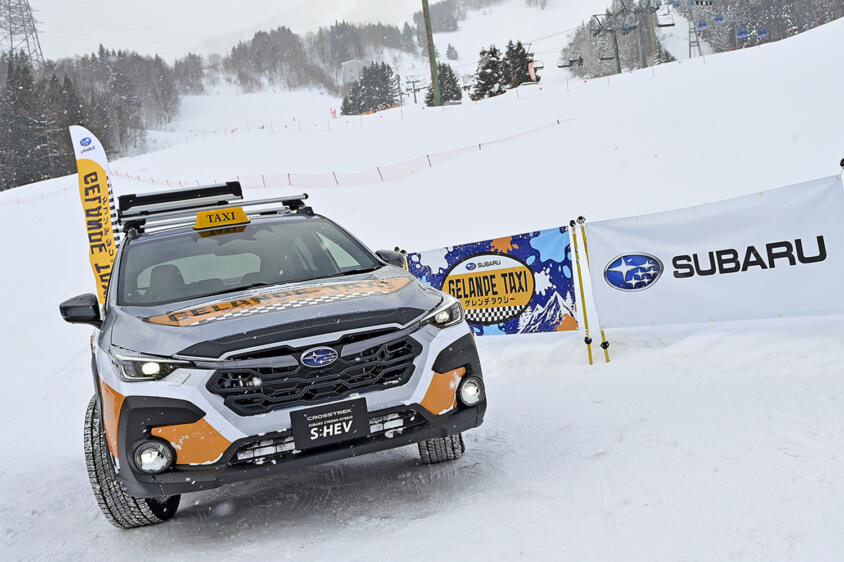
{"points": [[471, 391], [153, 457], [150, 369]]}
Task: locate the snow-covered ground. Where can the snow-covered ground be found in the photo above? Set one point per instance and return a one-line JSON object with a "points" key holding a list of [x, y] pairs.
{"points": [[709, 442]]}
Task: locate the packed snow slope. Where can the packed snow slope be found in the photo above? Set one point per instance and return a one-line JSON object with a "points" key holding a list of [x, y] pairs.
{"points": [[710, 442]]}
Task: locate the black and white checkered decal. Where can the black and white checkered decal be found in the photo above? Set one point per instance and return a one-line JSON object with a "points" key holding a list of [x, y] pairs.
{"points": [[493, 315]]}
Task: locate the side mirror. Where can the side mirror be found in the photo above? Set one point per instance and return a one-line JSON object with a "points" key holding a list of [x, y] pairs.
{"points": [[84, 309], [391, 257]]}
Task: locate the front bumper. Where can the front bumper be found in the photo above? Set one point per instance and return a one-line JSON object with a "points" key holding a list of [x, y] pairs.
{"points": [[209, 438], [194, 479]]}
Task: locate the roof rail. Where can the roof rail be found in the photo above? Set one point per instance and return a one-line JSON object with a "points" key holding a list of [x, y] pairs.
{"points": [[169, 209], [176, 199]]}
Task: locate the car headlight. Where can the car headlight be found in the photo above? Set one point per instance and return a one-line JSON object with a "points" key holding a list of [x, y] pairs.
{"points": [[448, 313], [143, 368]]}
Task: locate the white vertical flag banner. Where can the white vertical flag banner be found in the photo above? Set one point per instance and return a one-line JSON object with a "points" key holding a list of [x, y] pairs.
{"points": [[766, 255], [97, 205]]}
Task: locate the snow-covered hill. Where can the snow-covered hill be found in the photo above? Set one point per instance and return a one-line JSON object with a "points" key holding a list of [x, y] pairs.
{"points": [[697, 443]]}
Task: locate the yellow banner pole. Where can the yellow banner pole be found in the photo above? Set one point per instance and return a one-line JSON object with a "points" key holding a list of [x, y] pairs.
{"points": [[605, 345], [587, 339]]}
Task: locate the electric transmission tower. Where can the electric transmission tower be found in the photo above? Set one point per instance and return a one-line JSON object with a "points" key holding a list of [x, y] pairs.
{"points": [[18, 32]]}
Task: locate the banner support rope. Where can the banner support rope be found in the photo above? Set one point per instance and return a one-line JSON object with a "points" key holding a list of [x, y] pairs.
{"points": [[605, 345], [587, 340]]}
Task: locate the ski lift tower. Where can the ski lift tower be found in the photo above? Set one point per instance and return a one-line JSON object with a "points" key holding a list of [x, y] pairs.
{"points": [[643, 12], [609, 23], [18, 32], [694, 39]]}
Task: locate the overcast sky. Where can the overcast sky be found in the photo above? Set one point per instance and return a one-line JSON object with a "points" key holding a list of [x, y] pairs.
{"points": [[173, 27]]}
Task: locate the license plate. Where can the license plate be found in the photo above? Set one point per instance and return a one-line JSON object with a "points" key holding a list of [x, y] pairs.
{"points": [[332, 423]]}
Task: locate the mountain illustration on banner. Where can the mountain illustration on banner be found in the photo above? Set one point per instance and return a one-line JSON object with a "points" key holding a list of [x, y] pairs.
{"points": [[558, 315]]}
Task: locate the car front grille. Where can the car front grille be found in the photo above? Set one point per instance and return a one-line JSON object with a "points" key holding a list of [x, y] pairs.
{"points": [[249, 392], [281, 446]]}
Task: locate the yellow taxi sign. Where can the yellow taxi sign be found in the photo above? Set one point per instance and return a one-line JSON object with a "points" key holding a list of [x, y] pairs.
{"points": [[218, 218]]}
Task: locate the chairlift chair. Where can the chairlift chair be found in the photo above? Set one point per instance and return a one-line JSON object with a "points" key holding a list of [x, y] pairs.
{"points": [[742, 32], [665, 20], [719, 19], [701, 25], [563, 62], [762, 32], [538, 64]]}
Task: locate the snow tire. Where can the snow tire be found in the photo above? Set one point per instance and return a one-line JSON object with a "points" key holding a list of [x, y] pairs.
{"points": [[442, 449], [122, 510]]}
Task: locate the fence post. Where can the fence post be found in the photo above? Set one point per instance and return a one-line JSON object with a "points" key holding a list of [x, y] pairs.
{"points": [[335, 178], [263, 179], [379, 172], [429, 161], [289, 179]]}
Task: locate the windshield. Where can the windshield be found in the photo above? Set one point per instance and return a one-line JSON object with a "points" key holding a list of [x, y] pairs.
{"points": [[196, 264]]}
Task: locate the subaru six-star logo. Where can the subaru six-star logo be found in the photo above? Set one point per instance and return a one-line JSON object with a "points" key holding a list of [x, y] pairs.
{"points": [[633, 272], [319, 357], [86, 141]]}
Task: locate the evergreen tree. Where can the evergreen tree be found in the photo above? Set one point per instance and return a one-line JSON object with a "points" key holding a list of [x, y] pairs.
{"points": [[408, 35], [189, 74], [490, 79], [451, 52], [450, 90], [21, 138], [351, 104], [376, 90], [516, 63]]}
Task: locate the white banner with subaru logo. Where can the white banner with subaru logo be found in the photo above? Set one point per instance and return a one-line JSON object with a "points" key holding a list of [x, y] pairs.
{"points": [[771, 254]]}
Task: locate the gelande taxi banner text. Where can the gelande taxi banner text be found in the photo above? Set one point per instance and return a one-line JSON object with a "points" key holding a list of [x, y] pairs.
{"points": [[512, 285]]}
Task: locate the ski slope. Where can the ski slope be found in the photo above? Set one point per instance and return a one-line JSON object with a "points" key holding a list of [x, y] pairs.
{"points": [[713, 442]]}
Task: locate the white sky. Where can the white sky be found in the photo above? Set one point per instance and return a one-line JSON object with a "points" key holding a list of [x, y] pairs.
{"points": [[171, 28]]}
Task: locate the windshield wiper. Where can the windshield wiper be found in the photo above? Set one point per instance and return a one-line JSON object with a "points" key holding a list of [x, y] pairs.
{"points": [[353, 272]]}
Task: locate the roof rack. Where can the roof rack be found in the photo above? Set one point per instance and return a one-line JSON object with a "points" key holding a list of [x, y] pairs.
{"points": [[178, 207]]}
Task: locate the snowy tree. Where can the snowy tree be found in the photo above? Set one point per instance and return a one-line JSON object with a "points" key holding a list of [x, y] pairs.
{"points": [[189, 74], [450, 90], [516, 65], [490, 77], [451, 52], [376, 90]]}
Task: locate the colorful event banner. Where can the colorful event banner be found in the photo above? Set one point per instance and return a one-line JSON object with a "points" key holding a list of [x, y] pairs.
{"points": [[766, 255], [97, 205], [514, 285]]}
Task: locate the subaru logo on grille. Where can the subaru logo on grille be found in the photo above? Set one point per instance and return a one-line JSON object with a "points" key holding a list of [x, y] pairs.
{"points": [[319, 357], [633, 272]]}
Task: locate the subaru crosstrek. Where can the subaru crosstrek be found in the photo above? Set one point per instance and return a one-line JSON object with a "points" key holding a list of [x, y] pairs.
{"points": [[243, 339]]}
